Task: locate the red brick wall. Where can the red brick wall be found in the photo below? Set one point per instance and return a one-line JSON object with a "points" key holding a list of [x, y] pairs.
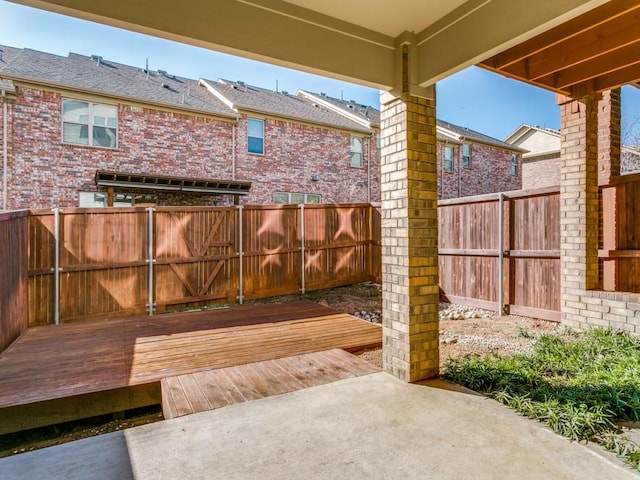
{"points": [[165, 143], [44, 172], [490, 172], [293, 153]]}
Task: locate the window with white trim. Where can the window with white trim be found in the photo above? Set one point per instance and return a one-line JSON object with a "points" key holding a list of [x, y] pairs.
{"points": [[356, 152], [514, 164], [447, 159], [255, 136], [91, 124], [466, 155], [296, 198]]}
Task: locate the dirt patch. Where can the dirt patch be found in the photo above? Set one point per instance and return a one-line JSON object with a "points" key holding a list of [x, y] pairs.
{"points": [[463, 332]]}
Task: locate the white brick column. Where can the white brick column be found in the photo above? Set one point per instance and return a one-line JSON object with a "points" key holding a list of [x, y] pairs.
{"points": [[410, 291]]}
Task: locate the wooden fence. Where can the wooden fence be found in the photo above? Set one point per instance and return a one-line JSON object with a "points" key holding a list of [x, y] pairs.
{"points": [[502, 249], [495, 250], [13, 276], [619, 252], [98, 263]]}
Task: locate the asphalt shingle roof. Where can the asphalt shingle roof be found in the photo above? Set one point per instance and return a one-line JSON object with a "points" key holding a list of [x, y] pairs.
{"points": [[473, 136], [79, 72], [256, 99], [366, 112]]}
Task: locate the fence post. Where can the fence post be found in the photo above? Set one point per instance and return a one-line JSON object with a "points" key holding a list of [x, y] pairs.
{"points": [[240, 258], [56, 266], [500, 284], [302, 280], [150, 260]]}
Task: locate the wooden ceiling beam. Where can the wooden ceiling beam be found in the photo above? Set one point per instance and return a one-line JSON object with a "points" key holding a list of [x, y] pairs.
{"points": [[579, 25], [589, 45], [629, 74], [616, 60]]}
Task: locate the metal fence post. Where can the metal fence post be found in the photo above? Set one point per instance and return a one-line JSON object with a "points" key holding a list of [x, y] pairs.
{"points": [[150, 260], [302, 250], [56, 266], [500, 284], [240, 258]]}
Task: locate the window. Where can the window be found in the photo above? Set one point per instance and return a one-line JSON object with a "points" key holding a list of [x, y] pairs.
{"points": [[295, 198], [448, 159], [92, 124], [100, 199], [514, 164], [255, 136], [356, 152], [466, 155]]}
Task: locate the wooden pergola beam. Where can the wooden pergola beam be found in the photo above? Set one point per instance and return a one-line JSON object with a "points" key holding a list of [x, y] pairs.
{"points": [[577, 26]]}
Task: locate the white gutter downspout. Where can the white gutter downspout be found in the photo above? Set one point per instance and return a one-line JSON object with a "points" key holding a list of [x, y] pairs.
{"points": [[5, 161], [233, 149]]}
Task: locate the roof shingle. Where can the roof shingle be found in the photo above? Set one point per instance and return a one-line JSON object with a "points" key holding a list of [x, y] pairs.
{"points": [[94, 74]]}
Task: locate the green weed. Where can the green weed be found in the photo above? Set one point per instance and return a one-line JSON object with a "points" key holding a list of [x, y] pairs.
{"points": [[579, 388]]}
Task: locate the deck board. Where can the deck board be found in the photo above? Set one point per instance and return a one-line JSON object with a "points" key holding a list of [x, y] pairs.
{"points": [[192, 392], [53, 362]]}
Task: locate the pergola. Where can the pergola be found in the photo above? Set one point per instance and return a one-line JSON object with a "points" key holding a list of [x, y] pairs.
{"points": [[577, 48]]}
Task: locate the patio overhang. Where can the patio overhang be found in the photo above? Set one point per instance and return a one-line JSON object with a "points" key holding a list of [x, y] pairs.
{"points": [[344, 41], [171, 184], [596, 51]]}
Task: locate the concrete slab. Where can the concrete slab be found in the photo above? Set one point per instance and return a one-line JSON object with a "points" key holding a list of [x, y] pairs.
{"points": [[370, 427]]}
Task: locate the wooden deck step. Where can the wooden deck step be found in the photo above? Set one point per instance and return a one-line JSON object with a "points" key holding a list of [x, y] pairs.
{"points": [[210, 389], [50, 364]]}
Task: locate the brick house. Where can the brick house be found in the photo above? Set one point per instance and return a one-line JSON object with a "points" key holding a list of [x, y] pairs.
{"points": [[469, 162], [541, 163], [113, 134], [109, 133]]}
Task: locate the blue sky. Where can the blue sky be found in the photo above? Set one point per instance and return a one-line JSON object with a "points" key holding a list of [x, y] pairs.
{"points": [[473, 98]]}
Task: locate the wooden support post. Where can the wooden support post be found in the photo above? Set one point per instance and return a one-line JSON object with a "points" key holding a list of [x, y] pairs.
{"points": [[110, 196], [610, 237]]}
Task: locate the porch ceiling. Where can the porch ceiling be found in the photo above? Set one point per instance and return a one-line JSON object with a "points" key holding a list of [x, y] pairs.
{"points": [[359, 40], [596, 51]]}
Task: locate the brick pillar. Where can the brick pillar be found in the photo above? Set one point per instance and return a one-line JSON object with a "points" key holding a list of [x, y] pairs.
{"points": [[608, 136], [578, 206], [410, 238]]}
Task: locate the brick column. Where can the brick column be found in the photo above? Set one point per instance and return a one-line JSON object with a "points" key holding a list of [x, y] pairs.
{"points": [[578, 207], [410, 291], [608, 136]]}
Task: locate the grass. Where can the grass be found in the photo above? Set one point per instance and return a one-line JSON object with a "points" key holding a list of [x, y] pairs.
{"points": [[581, 388]]}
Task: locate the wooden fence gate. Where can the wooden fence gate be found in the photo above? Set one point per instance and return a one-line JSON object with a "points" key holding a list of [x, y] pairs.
{"points": [[193, 255]]}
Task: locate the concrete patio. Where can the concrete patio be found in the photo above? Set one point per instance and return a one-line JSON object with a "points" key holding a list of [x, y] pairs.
{"points": [[371, 427]]}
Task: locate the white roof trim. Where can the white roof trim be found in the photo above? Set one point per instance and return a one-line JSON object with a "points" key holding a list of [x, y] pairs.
{"points": [[335, 108], [217, 94]]}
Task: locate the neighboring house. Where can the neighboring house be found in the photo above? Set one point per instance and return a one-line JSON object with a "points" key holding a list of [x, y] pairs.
{"points": [[85, 131], [471, 163], [296, 150], [541, 163]]}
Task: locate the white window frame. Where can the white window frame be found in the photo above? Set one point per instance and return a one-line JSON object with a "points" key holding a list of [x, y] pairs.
{"points": [[447, 159], [289, 201], [249, 137], [90, 124], [354, 141], [465, 153], [514, 165]]}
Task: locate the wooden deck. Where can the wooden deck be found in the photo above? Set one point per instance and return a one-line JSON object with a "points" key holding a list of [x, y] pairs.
{"points": [[70, 361], [211, 389]]}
